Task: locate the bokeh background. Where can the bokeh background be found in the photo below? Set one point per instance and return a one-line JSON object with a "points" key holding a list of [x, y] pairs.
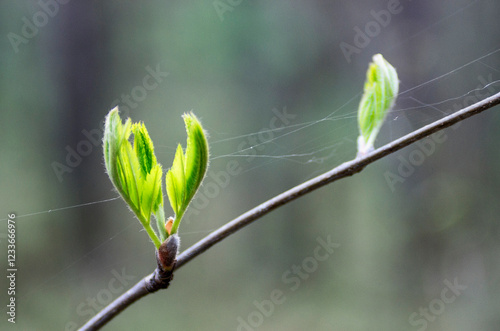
{"points": [[403, 233]]}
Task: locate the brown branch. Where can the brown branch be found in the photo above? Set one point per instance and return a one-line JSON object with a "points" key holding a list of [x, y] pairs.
{"points": [[139, 290]]}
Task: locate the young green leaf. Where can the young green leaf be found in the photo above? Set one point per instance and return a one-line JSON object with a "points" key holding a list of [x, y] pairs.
{"points": [[188, 169], [115, 134], [143, 147], [116, 143], [150, 191], [380, 92], [176, 182], [196, 155]]}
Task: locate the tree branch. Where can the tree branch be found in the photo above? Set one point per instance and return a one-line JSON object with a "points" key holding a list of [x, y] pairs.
{"points": [[349, 168]]}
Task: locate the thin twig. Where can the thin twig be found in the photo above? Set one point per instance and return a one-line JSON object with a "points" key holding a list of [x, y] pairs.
{"points": [[346, 169]]}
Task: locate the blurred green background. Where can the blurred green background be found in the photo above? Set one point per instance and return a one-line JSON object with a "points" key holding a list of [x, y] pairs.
{"points": [[417, 245]]}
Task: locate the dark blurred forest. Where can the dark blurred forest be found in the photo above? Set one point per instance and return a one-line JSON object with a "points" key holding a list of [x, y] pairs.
{"points": [[410, 243]]}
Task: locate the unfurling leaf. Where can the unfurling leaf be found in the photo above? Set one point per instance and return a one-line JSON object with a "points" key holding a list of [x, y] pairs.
{"points": [[380, 92], [188, 169], [176, 181], [196, 162], [143, 147]]}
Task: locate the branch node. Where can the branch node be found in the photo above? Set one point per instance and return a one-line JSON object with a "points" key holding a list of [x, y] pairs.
{"points": [[160, 279], [166, 259]]}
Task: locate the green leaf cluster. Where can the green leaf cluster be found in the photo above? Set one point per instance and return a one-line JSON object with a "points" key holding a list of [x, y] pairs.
{"points": [[380, 92], [137, 176]]}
